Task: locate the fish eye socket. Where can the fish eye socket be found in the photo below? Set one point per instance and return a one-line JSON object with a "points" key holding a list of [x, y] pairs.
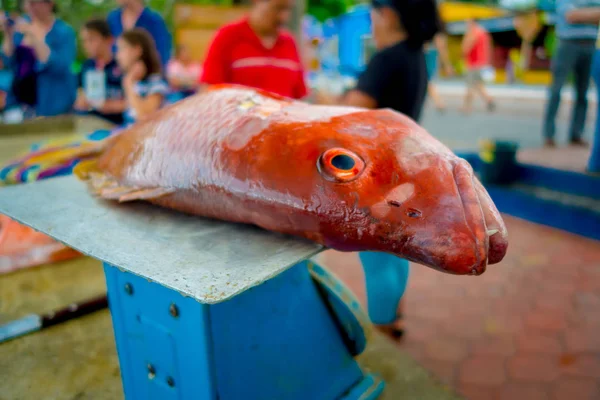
{"points": [[340, 165]]}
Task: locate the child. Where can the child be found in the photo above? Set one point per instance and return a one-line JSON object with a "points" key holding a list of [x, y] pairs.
{"points": [[100, 90], [143, 83], [183, 72]]}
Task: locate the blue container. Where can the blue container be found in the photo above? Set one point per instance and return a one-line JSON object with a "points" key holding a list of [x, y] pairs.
{"points": [[498, 162], [354, 33]]}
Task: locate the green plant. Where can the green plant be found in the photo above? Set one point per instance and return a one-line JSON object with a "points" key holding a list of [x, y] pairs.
{"points": [[325, 9]]}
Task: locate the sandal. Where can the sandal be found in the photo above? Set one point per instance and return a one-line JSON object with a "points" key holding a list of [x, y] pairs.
{"points": [[395, 330]]}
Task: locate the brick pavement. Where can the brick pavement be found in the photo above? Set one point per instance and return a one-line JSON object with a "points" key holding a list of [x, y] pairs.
{"points": [[528, 328]]}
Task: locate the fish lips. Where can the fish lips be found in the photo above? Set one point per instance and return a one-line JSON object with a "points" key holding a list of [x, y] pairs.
{"points": [[462, 244]]}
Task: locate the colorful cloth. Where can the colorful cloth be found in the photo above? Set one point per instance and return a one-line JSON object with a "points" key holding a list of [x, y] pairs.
{"points": [[48, 159]]}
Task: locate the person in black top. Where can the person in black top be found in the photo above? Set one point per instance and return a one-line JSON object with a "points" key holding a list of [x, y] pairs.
{"points": [[396, 76], [100, 90]]}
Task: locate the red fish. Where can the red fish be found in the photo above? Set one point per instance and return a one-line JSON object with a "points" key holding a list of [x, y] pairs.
{"points": [[348, 178]]}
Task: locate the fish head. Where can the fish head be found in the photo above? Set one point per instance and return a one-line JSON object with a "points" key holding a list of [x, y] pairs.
{"points": [[392, 187]]}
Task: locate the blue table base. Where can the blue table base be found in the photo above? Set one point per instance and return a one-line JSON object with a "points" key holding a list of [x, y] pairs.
{"points": [[278, 340]]}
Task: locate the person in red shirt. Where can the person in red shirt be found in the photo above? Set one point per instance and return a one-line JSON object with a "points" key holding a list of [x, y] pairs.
{"points": [[477, 51], [257, 52]]}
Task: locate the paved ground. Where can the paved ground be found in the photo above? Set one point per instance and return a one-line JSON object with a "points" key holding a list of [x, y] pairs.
{"points": [[518, 117], [526, 329]]}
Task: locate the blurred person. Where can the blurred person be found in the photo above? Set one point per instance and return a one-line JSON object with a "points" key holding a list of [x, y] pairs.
{"points": [[591, 15], [3, 94], [435, 49], [477, 51], [134, 14], [396, 77], [100, 80], [257, 52], [573, 54], [40, 49], [182, 71], [143, 83]]}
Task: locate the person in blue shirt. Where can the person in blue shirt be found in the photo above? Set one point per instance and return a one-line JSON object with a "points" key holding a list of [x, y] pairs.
{"points": [[41, 49], [591, 15], [143, 83], [134, 14], [100, 86], [574, 53]]}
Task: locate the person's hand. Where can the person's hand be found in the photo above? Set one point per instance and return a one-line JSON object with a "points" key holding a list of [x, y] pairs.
{"points": [[81, 104], [7, 24], [24, 27], [137, 72], [449, 71], [33, 31], [324, 98]]}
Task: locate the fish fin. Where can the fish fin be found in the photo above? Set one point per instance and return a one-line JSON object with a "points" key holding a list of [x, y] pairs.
{"points": [[115, 192], [145, 194], [109, 188]]}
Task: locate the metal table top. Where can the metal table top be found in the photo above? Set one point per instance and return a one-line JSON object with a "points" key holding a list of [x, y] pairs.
{"points": [[208, 260]]}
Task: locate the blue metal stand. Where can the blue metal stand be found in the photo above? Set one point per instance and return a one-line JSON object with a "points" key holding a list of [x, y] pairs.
{"points": [[279, 340]]}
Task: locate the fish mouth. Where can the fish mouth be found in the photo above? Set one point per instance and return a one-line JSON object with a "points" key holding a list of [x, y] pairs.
{"points": [[473, 217], [482, 218], [462, 231], [496, 229]]}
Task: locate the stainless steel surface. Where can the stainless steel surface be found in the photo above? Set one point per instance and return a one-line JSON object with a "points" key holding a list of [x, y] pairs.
{"points": [[208, 260]]}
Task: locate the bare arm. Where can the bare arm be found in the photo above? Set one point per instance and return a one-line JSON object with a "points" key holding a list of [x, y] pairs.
{"points": [[468, 43], [8, 45], [590, 15], [41, 49], [142, 105], [353, 98], [357, 98], [114, 106], [441, 43], [36, 37]]}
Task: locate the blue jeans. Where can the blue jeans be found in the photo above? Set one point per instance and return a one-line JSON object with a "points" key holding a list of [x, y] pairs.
{"points": [[386, 277], [571, 56], [594, 162]]}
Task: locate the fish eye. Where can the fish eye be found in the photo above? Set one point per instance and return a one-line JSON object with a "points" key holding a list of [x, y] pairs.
{"points": [[343, 162], [340, 165]]}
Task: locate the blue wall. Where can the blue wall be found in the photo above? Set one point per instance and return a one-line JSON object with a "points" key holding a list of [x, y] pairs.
{"points": [[351, 27]]}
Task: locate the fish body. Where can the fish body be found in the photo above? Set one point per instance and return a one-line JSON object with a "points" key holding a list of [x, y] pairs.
{"points": [[22, 247], [348, 178]]}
